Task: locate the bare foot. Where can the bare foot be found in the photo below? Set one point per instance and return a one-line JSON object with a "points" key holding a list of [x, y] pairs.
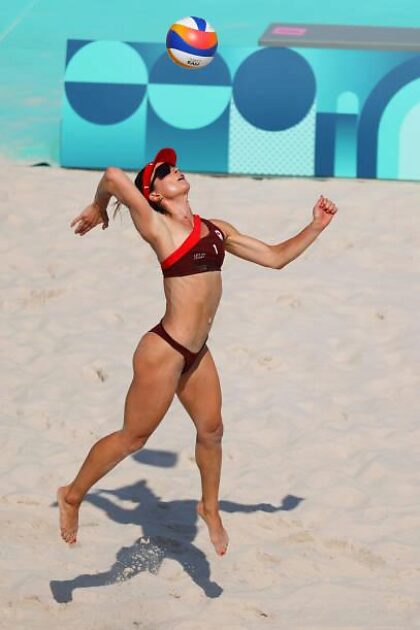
{"points": [[69, 517], [218, 534]]}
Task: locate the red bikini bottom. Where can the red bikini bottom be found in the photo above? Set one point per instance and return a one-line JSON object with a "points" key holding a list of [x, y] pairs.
{"points": [[190, 357]]}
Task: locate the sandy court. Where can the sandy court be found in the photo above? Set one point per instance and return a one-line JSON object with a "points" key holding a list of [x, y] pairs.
{"points": [[319, 369]]}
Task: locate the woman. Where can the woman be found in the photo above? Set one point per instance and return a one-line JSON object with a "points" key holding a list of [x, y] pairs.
{"points": [[173, 357]]}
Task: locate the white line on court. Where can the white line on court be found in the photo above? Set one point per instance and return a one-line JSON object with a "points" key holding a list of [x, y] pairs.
{"points": [[18, 20]]}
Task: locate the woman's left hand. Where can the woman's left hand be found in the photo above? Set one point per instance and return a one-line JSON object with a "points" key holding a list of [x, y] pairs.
{"points": [[324, 210]]}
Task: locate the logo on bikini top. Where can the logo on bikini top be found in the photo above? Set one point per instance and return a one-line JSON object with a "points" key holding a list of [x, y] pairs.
{"points": [[199, 256], [219, 234]]}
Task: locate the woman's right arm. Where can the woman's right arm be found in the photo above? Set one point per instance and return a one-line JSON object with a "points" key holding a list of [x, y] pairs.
{"points": [[115, 183]]}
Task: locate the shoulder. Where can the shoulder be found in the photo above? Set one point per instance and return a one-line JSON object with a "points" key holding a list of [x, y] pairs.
{"points": [[227, 228]]}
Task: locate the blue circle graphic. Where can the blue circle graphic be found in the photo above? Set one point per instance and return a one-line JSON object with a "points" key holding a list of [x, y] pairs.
{"points": [[106, 82], [186, 99], [274, 88], [104, 104]]}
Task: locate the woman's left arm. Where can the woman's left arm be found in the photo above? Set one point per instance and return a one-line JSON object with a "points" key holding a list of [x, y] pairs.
{"points": [[279, 255]]}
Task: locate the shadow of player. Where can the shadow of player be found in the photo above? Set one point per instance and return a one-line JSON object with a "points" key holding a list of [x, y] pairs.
{"points": [[169, 529]]}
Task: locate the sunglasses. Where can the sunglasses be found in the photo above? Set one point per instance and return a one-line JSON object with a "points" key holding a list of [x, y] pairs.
{"points": [[162, 171]]}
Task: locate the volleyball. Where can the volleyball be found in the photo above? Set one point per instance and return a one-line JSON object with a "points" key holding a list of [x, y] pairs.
{"points": [[191, 43]]}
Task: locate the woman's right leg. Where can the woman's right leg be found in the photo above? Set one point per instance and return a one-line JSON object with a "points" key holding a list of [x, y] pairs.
{"points": [[157, 368]]}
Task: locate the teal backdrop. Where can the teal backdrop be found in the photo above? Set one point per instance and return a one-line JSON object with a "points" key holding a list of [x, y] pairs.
{"points": [[33, 49], [253, 110]]}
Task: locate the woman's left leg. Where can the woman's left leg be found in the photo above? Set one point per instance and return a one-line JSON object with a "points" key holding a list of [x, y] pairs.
{"points": [[199, 392]]}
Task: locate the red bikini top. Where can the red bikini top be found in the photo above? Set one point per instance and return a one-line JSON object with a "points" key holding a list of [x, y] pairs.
{"points": [[196, 254]]}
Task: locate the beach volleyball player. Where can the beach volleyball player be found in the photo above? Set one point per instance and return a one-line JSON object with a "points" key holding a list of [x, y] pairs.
{"points": [[173, 357]]}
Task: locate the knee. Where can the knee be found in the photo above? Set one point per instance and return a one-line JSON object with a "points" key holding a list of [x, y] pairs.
{"points": [[211, 434], [133, 442]]}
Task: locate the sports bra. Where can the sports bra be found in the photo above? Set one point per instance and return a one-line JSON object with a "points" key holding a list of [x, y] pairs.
{"points": [[196, 254]]}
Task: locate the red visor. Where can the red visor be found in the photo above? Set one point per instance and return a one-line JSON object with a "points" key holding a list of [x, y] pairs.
{"points": [[164, 155]]}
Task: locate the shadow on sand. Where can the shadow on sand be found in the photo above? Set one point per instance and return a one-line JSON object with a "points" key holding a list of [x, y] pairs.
{"points": [[169, 529]]}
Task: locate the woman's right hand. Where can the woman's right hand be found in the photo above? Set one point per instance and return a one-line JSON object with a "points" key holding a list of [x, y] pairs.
{"points": [[91, 216]]}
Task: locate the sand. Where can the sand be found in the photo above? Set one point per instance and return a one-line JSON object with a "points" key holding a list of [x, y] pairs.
{"points": [[319, 364]]}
